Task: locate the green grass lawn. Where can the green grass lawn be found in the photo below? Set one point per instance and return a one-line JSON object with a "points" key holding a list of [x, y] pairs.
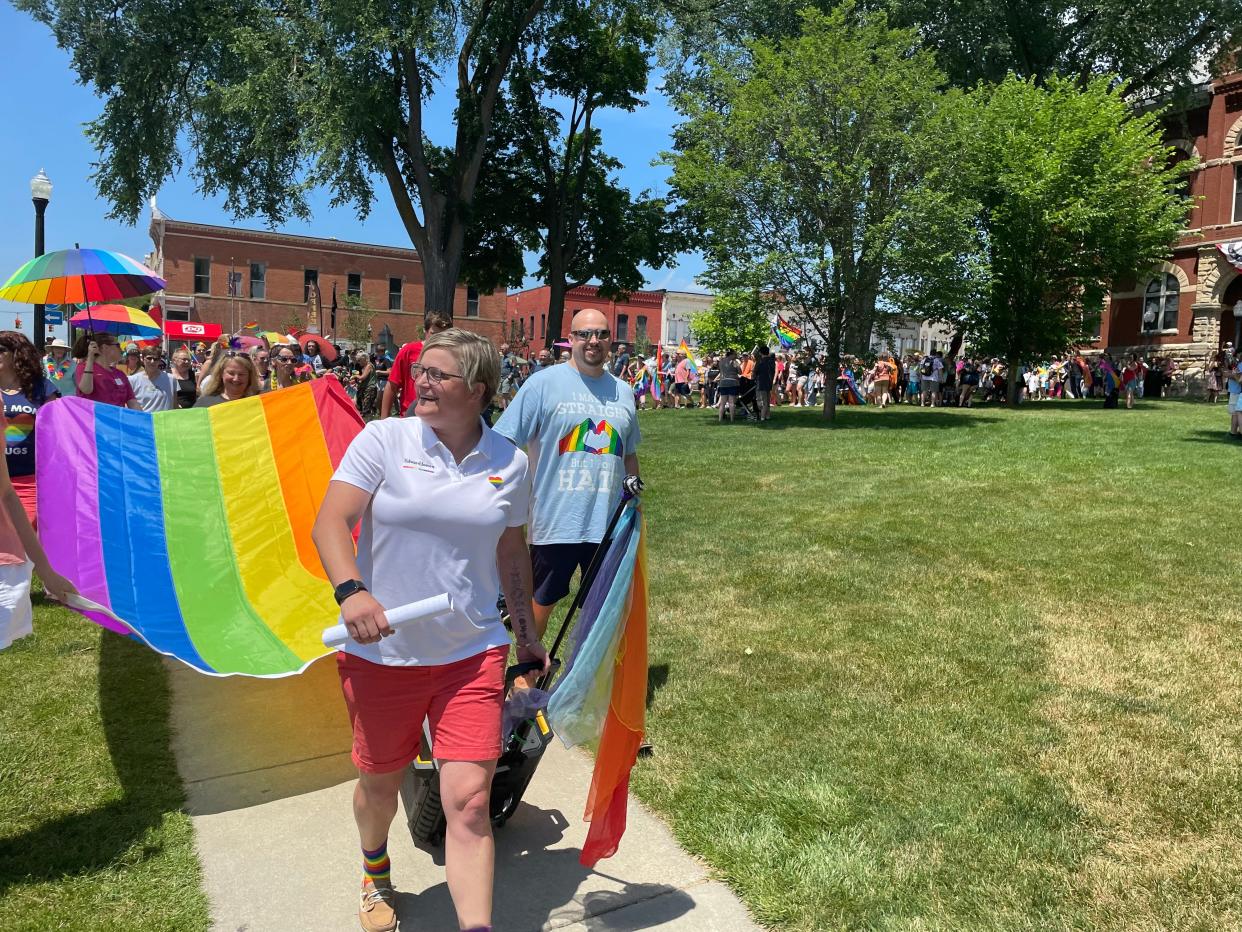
{"points": [[92, 835], [925, 670], [944, 669]]}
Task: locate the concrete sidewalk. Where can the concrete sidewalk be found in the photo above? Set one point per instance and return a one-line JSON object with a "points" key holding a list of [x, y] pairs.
{"points": [[269, 783]]}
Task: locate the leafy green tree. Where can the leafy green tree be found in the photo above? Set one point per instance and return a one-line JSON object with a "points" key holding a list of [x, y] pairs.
{"points": [[1154, 45], [798, 170], [1039, 199], [584, 225], [358, 319], [738, 320], [276, 97]]}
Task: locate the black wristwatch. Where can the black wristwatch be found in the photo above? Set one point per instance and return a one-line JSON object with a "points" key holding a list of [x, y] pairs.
{"points": [[346, 589]]}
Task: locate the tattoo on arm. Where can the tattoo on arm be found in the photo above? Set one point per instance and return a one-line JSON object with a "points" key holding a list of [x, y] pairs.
{"points": [[518, 599]]}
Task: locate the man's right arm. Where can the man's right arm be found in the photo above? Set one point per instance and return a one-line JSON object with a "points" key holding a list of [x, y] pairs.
{"points": [[386, 400]]}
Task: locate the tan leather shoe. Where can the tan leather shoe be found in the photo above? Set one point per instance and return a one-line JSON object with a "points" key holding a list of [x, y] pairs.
{"points": [[377, 910]]}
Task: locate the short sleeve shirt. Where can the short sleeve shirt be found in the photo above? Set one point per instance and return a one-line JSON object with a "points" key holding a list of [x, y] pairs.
{"points": [[578, 430], [111, 386], [12, 553], [156, 394], [401, 376], [432, 527], [19, 437]]}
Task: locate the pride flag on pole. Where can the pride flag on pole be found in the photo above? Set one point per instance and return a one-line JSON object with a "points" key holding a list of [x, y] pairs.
{"points": [[691, 362], [786, 333], [192, 529], [603, 692]]}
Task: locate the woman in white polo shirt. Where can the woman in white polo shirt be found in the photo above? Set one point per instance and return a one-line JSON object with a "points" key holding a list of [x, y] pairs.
{"points": [[443, 501]]}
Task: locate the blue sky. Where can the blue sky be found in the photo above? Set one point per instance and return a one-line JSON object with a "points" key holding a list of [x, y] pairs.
{"points": [[46, 115]]}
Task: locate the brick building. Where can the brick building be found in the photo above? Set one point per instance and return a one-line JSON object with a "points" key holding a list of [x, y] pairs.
{"points": [[638, 318], [1185, 308], [275, 277]]}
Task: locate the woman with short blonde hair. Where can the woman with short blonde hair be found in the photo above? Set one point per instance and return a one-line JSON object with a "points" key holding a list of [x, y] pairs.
{"points": [[444, 485]]}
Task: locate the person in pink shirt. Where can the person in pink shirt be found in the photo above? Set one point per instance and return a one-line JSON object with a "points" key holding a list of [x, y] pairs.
{"points": [[681, 382], [97, 376]]}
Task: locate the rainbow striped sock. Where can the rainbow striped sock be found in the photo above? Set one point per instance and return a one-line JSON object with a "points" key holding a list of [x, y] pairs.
{"points": [[375, 864]]}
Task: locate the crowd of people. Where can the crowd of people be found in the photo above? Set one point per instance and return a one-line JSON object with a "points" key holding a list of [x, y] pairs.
{"points": [[749, 384]]}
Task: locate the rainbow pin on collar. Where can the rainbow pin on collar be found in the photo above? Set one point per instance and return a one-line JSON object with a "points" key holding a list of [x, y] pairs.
{"points": [[496, 481]]}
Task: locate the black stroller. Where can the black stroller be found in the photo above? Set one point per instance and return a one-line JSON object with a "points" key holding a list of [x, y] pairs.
{"points": [[522, 747]]}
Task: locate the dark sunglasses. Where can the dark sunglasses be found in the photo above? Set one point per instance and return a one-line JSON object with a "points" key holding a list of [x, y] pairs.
{"points": [[585, 335]]}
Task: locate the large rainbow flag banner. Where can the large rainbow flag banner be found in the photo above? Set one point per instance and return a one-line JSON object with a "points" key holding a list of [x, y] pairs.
{"points": [[193, 528], [602, 694]]}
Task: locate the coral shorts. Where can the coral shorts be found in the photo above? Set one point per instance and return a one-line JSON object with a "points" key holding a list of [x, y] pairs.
{"points": [[387, 705]]}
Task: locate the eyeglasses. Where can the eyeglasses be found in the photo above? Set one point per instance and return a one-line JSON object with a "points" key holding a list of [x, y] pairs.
{"points": [[434, 373], [586, 335], [286, 358], [262, 359]]}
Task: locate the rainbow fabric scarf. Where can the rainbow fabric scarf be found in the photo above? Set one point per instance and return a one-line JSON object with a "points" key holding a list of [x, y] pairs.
{"points": [[192, 528], [602, 695]]}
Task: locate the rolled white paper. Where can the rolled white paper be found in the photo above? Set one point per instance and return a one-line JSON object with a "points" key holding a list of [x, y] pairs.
{"points": [[421, 610]]}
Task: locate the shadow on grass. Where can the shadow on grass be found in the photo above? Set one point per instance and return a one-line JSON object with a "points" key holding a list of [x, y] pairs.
{"points": [[657, 676], [1213, 436], [133, 709]]}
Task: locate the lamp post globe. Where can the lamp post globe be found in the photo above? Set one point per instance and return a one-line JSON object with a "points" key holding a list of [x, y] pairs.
{"points": [[40, 195]]}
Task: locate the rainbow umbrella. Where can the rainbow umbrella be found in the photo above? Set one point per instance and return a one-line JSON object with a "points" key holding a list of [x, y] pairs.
{"points": [[116, 318], [80, 275]]}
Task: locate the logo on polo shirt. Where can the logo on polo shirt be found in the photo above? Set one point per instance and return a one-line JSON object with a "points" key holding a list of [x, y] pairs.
{"points": [[417, 464], [591, 437]]}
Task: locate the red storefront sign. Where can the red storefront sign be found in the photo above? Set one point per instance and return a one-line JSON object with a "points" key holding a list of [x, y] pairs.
{"points": [[188, 330]]}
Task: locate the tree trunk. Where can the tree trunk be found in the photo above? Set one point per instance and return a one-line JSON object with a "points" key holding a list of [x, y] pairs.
{"points": [[834, 368], [441, 269], [862, 324], [556, 308], [1014, 391]]}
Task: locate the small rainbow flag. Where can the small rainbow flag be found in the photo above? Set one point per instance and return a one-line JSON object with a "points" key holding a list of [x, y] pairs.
{"points": [[786, 333], [193, 528], [691, 362]]}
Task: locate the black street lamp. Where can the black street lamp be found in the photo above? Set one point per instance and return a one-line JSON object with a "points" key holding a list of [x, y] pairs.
{"points": [[40, 194]]}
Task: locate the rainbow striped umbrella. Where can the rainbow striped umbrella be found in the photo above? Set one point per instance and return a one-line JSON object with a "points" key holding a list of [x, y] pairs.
{"points": [[80, 275], [116, 318]]}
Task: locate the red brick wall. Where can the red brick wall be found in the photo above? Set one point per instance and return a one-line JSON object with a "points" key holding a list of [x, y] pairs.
{"points": [[287, 261], [534, 301]]}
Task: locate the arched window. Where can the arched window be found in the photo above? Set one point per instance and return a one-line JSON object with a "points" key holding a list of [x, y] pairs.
{"points": [[1160, 304]]}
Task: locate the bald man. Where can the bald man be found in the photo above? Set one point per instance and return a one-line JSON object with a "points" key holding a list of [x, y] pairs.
{"points": [[580, 429]]}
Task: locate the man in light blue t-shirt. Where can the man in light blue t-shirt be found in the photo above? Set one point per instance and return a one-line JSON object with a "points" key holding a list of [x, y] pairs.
{"points": [[580, 429]]}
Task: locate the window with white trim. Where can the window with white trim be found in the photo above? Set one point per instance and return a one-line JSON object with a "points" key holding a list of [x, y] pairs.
{"points": [[1160, 303], [623, 328], [472, 302], [258, 280], [353, 285], [1237, 193], [202, 275]]}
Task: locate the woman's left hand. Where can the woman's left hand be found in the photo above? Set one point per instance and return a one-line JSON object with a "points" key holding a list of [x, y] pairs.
{"points": [[537, 652], [56, 586]]}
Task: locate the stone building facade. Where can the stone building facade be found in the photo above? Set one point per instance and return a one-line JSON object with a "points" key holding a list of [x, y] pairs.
{"points": [[1184, 308], [231, 276]]}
